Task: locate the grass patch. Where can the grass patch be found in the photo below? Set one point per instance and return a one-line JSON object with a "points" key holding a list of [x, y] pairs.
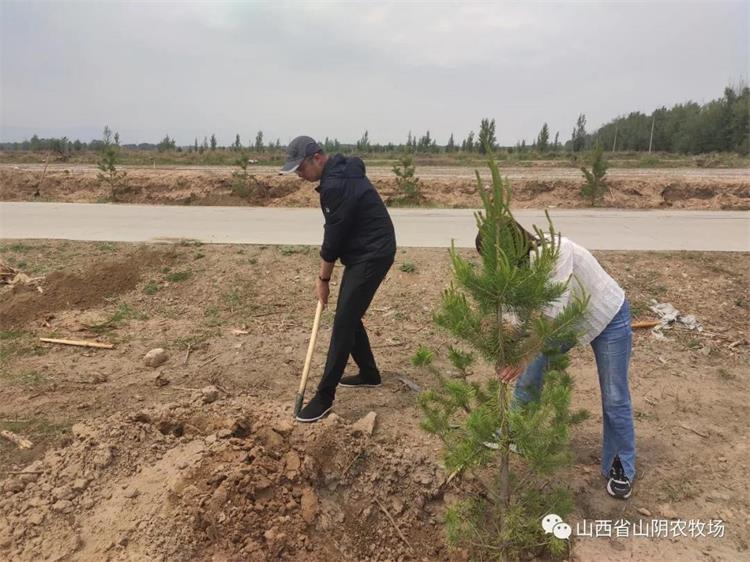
{"points": [[726, 375], [7, 335], [291, 250], [179, 276], [212, 316], [107, 247], [123, 313], [151, 288], [423, 356], [36, 427], [18, 342], [24, 378], [408, 267], [18, 247]]}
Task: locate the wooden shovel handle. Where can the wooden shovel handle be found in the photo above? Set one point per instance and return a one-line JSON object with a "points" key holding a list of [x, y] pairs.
{"points": [[308, 358]]}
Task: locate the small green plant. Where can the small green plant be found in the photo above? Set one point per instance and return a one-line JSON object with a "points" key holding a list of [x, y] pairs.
{"points": [[407, 184], [123, 313], [24, 378], [151, 288], [726, 375], [593, 189], [190, 242], [7, 335], [245, 185], [107, 247], [461, 360], [291, 250], [179, 276], [108, 174], [422, 357], [19, 247], [408, 267]]}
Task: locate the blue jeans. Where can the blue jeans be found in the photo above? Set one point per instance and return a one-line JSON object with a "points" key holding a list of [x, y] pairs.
{"points": [[612, 352]]}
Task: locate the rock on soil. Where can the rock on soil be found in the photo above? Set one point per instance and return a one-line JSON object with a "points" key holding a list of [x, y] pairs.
{"points": [[366, 425], [156, 357]]}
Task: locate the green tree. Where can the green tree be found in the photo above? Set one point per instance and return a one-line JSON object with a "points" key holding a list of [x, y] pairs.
{"points": [[166, 144], [243, 184], [451, 146], [237, 146], [407, 184], [213, 141], [468, 144], [426, 143], [108, 174], [363, 144], [497, 308], [259, 141], [593, 189], [487, 140], [578, 140], [542, 141]]}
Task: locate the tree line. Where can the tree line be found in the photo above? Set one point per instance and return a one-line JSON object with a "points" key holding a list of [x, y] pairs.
{"points": [[721, 125]]}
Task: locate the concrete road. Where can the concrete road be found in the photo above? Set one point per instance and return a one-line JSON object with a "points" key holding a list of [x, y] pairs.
{"points": [[595, 229]]}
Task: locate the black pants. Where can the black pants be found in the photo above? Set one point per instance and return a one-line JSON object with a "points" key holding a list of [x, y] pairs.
{"points": [[349, 337]]}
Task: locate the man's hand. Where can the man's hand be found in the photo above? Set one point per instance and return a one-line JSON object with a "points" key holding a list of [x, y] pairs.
{"points": [[321, 287], [322, 290], [511, 372]]}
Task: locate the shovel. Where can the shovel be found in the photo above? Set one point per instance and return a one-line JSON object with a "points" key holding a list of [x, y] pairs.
{"points": [[308, 360]]}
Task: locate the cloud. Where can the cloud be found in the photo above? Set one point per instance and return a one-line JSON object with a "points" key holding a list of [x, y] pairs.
{"points": [[335, 69]]}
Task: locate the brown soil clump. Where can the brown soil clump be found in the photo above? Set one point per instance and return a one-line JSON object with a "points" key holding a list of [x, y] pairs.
{"points": [[241, 483], [64, 290]]}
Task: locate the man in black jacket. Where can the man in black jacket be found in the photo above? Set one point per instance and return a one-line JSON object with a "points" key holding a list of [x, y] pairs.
{"points": [[359, 232]]}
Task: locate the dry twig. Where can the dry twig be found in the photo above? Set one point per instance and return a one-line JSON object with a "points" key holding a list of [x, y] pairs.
{"points": [[393, 522]]}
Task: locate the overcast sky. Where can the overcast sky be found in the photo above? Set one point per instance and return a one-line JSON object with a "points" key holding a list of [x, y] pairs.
{"points": [[333, 69]]}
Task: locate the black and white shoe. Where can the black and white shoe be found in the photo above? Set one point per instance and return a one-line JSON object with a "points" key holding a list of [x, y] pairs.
{"points": [[618, 485], [495, 444], [315, 409], [360, 381]]}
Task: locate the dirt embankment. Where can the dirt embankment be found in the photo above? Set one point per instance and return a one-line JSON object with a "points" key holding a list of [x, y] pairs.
{"points": [[219, 187]]}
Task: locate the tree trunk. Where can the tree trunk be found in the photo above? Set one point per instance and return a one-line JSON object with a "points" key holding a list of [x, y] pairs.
{"points": [[504, 446]]}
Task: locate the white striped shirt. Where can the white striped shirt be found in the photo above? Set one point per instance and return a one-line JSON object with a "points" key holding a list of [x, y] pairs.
{"points": [[576, 265]]}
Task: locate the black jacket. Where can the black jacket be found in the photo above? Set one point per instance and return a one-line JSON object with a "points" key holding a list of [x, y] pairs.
{"points": [[358, 227]]}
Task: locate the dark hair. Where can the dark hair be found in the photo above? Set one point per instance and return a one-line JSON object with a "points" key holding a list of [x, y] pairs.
{"points": [[528, 239]]}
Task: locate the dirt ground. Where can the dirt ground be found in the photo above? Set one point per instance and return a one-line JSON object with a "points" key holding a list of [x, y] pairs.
{"points": [[442, 187], [132, 462]]}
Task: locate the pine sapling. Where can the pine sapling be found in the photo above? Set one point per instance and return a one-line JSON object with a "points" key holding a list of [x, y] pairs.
{"points": [[593, 189], [497, 309], [407, 184], [244, 184], [108, 174]]}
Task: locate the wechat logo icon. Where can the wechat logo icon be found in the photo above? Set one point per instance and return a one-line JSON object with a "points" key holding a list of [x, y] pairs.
{"points": [[554, 524]]}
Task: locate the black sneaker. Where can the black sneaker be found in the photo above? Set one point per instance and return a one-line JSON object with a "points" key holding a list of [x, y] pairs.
{"points": [[315, 409], [360, 381], [618, 485]]}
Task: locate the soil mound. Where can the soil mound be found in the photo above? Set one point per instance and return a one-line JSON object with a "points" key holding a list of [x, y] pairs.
{"points": [[221, 481], [64, 290]]}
